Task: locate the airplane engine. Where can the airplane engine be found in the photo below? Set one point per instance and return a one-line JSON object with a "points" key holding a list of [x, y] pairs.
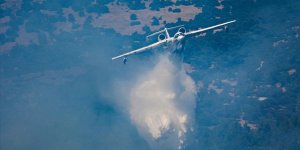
{"points": [[182, 30], [161, 37]]}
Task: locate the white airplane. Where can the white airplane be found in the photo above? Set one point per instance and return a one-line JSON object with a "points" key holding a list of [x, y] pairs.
{"points": [[175, 44]]}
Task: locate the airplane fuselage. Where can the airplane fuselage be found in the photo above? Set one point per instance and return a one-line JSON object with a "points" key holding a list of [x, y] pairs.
{"points": [[176, 44]]}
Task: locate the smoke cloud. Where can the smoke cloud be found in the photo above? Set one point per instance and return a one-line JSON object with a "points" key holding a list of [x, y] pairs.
{"points": [[161, 103]]}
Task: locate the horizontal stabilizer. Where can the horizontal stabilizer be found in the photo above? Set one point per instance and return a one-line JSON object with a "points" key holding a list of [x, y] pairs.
{"points": [[163, 30]]}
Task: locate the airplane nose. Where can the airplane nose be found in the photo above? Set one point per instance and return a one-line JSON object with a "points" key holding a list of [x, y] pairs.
{"points": [[179, 38]]}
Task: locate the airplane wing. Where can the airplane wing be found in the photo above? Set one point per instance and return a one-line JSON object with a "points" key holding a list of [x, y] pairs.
{"points": [[208, 28], [141, 49]]}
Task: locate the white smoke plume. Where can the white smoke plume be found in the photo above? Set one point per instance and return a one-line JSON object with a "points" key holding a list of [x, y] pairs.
{"points": [[162, 103]]}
